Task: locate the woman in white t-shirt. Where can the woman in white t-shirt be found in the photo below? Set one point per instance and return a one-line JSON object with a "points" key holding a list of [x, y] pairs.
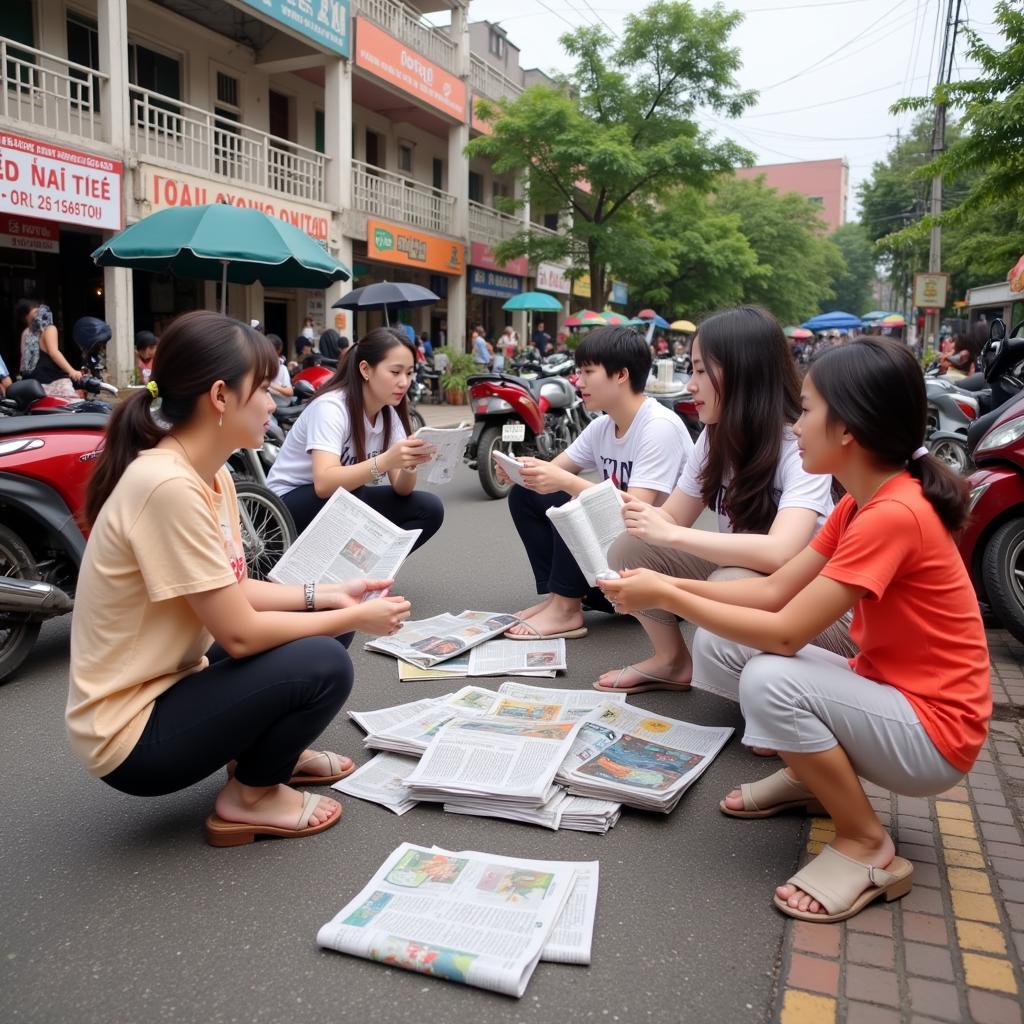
{"points": [[355, 433], [746, 468]]}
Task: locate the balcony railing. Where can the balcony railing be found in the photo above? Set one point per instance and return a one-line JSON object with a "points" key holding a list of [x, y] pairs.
{"points": [[403, 24], [491, 226], [410, 202], [490, 82], [196, 140], [45, 91]]}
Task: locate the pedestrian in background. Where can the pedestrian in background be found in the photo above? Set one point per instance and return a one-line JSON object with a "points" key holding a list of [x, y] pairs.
{"points": [[145, 349], [541, 339], [41, 357]]}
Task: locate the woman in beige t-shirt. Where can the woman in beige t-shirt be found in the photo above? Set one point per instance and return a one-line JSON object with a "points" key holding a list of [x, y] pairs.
{"points": [[152, 706]]}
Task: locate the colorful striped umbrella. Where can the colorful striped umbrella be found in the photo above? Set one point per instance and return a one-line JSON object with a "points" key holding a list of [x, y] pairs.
{"points": [[614, 319], [893, 320], [585, 318]]}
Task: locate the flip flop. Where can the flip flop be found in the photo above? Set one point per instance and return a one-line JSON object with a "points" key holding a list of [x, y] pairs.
{"points": [[566, 634], [300, 779], [653, 683], [773, 795], [235, 833], [844, 886]]}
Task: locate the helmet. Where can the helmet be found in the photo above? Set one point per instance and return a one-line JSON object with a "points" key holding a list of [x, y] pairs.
{"points": [[90, 331]]}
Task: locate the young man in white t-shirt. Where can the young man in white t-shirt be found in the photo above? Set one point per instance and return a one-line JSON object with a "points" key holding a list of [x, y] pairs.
{"points": [[638, 444]]}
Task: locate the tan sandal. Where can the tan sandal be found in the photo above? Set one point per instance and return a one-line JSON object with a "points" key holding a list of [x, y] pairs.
{"points": [[844, 886], [236, 833], [648, 681], [773, 795], [299, 778]]}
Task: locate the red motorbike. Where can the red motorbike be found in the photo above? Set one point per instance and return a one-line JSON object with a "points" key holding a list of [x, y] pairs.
{"points": [[539, 417]]}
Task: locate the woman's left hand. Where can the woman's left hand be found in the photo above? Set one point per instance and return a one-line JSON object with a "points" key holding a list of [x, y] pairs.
{"points": [[348, 593], [637, 590]]}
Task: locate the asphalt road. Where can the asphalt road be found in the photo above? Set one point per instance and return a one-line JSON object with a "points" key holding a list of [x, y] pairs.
{"points": [[114, 909]]}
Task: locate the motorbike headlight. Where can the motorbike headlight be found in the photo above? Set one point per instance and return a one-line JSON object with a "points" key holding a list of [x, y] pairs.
{"points": [[1008, 433], [975, 496]]}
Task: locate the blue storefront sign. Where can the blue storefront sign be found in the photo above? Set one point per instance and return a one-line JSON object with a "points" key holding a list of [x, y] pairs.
{"points": [[493, 283], [620, 293], [324, 21]]}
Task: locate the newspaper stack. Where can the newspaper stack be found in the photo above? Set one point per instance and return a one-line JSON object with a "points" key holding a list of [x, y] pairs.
{"points": [[428, 642], [577, 813], [474, 918], [381, 781], [409, 728], [643, 760], [533, 658]]}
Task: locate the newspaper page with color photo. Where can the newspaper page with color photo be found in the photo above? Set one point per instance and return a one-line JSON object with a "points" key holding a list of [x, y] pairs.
{"points": [[571, 704], [427, 642], [588, 525], [518, 657], [475, 918], [448, 443], [643, 760], [347, 540]]}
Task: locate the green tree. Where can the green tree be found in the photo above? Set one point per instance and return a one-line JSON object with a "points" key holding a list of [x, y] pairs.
{"points": [[796, 262], [618, 133], [853, 285]]}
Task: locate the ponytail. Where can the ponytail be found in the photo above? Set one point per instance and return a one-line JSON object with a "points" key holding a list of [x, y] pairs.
{"points": [[197, 350], [874, 387]]}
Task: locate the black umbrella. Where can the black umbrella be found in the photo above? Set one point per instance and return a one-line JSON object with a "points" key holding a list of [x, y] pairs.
{"points": [[385, 295]]}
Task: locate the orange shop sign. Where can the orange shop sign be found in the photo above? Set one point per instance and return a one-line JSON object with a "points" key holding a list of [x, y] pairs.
{"points": [[398, 65], [393, 243]]}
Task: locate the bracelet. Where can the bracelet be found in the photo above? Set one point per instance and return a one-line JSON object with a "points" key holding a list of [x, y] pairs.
{"points": [[375, 472], [309, 593]]}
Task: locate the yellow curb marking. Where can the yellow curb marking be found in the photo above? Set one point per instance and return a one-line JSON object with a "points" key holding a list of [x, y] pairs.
{"points": [[975, 907], [986, 972], [822, 835], [815, 848], [968, 880], [826, 823], [946, 809], [955, 827], [959, 843], [964, 859], [980, 936], [803, 1008]]}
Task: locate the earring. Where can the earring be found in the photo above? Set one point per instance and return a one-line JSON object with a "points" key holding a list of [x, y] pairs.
{"points": [[221, 421]]}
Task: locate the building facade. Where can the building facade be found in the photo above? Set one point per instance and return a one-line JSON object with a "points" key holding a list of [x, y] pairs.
{"points": [[825, 182], [348, 118]]}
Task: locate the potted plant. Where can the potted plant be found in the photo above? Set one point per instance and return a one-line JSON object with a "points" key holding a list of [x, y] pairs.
{"points": [[459, 369]]}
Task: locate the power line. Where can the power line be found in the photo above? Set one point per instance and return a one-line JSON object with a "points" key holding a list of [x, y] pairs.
{"points": [[828, 103]]}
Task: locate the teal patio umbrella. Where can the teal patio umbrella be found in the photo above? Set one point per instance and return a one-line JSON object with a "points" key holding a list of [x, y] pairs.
{"points": [[223, 243], [534, 302]]}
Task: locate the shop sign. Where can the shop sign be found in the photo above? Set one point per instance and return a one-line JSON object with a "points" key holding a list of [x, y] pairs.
{"points": [[581, 287], [398, 65], [551, 278], [395, 243], [930, 290], [41, 180], [323, 21], [164, 190], [620, 293], [33, 235], [480, 255], [493, 283]]}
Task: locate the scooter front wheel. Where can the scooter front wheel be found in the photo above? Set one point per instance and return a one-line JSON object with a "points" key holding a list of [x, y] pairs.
{"points": [[17, 632], [494, 487], [953, 453], [266, 525], [1002, 570]]}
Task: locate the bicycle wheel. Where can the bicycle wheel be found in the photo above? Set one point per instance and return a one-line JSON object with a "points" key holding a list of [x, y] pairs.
{"points": [[267, 527]]}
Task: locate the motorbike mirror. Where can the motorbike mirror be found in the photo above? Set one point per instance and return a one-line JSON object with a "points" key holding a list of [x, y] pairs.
{"points": [[997, 330]]}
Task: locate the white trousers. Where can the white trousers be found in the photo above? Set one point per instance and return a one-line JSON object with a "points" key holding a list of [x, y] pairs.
{"points": [[811, 702]]}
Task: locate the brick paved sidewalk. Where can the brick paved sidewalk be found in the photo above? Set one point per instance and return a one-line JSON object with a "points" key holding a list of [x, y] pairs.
{"points": [[952, 950]]}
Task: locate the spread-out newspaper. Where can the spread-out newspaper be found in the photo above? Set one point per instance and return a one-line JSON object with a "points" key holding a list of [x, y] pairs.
{"points": [[427, 642]]}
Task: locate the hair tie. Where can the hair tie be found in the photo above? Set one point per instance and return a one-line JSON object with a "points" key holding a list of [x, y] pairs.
{"points": [[920, 453], [153, 389]]}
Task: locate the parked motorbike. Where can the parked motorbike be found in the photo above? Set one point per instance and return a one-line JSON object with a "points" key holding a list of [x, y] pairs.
{"points": [[951, 411], [45, 462], [538, 417], [992, 544], [677, 398], [27, 397]]}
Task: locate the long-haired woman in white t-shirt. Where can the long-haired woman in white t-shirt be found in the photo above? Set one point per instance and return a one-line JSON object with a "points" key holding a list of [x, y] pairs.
{"points": [[746, 469]]}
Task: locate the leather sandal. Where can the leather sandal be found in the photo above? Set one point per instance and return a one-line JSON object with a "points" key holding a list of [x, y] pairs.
{"points": [[844, 886], [773, 795], [300, 778], [236, 833], [648, 681]]}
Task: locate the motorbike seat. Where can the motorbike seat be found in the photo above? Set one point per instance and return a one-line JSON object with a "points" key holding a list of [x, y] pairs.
{"points": [[289, 413], [10, 425], [24, 392]]}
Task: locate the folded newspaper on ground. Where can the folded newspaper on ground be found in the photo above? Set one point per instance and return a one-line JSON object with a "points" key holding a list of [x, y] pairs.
{"points": [[643, 760], [470, 917], [589, 524], [449, 443], [542, 702], [427, 642], [346, 540], [453, 668], [518, 657], [562, 811], [513, 467], [381, 781], [508, 762]]}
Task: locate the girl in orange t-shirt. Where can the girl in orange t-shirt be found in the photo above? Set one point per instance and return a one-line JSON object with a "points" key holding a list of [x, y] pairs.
{"points": [[909, 712]]}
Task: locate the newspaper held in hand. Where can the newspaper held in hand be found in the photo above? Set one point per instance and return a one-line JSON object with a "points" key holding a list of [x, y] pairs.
{"points": [[513, 467], [518, 657], [643, 760], [346, 540], [427, 642], [381, 781], [475, 918], [448, 443], [588, 525]]}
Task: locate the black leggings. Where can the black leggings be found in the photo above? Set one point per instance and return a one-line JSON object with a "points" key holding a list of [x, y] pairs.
{"points": [[417, 510], [261, 711]]}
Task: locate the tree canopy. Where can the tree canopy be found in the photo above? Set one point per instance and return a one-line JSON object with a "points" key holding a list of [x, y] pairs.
{"points": [[618, 133]]}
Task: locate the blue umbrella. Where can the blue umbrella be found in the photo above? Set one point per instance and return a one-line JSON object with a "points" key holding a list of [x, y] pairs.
{"points": [[659, 321], [875, 314], [837, 319]]}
